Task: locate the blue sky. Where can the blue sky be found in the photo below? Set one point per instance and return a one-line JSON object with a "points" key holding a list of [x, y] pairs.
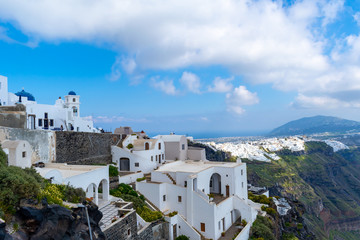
{"points": [[229, 67]]}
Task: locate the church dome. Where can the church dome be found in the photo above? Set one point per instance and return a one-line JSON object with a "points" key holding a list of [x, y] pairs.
{"points": [[72, 93], [29, 96]]}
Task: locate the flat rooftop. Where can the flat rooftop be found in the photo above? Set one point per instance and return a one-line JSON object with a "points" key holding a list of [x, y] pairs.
{"points": [[192, 166], [67, 170]]}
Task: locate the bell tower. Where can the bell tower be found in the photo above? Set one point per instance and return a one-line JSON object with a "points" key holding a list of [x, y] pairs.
{"points": [[73, 101]]}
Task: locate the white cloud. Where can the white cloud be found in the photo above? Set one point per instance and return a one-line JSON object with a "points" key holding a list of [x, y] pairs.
{"points": [[191, 82], [240, 97], [259, 40], [221, 85], [357, 18], [166, 86], [129, 65], [322, 102], [115, 70]]}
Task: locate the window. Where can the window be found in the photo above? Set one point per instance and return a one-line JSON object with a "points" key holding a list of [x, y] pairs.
{"points": [[136, 164], [163, 156], [74, 100], [242, 172], [51, 122], [159, 158], [219, 225], [129, 232], [202, 227], [40, 122], [156, 158], [179, 198], [242, 184], [46, 115], [147, 146], [152, 158], [185, 184], [23, 154], [164, 198], [159, 145], [183, 147]]}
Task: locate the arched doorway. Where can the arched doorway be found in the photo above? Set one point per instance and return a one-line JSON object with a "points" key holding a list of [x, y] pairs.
{"points": [[92, 192], [215, 183], [104, 190], [124, 164]]}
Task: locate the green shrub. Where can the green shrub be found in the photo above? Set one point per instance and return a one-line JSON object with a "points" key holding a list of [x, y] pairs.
{"points": [[140, 179], [113, 171], [53, 194], [182, 237], [173, 213], [299, 226], [130, 146], [263, 208], [243, 222], [262, 228], [271, 211], [148, 215], [260, 198], [17, 184]]}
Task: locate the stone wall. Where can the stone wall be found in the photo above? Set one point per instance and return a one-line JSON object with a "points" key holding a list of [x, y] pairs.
{"points": [[41, 141], [120, 229], [13, 116], [157, 230], [84, 148]]}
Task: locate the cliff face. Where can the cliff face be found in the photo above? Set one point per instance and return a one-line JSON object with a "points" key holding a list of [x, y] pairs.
{"points": [[54, 222], [326, 183]]}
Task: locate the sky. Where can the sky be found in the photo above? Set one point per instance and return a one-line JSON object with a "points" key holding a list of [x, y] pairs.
{"points": [[196, 67]]}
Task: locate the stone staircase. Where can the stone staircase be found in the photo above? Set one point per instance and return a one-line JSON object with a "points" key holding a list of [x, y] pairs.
{"points": [[109, 211], [168, 175]]}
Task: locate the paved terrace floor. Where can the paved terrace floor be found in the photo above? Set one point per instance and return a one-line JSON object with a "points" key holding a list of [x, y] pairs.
{"points": [[234, 229]]}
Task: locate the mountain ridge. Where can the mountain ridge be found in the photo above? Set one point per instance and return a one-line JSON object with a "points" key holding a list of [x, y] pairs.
{"points": [[315, 124]]}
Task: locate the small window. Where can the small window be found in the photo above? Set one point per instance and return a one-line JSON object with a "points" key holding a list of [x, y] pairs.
{"points": [[159, 158], [152, 158], [23, 154], [129, 232], [179, 198], [40, 122], [136, 164], [242, 172], [183, 147], [164, 198], [202, 227], [242, 184], [159, 145], [156, 158], [51, 122], [219, 225], [185, 184], [74, 100], [163, 156], [46, 115]]}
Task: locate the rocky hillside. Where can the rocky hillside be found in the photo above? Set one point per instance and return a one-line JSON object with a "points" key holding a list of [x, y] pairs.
{"points": [[316, 124], [211, 154], [327, 184]]}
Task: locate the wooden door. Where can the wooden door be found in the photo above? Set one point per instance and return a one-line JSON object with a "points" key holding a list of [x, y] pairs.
{"points": [[227, 191]]}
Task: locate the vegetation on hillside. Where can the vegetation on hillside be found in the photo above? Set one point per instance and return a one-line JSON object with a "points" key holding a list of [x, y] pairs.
{"points": [[326, 183], [127, 193], [17, 184]]}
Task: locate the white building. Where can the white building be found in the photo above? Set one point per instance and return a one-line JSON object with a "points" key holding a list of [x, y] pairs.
{"points": [[139, 154], [185, 186], [19, 153], [63, 115], [89, 178]]}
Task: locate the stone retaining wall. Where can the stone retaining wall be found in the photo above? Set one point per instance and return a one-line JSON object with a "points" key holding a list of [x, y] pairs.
{"points": [[84, 148]]}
